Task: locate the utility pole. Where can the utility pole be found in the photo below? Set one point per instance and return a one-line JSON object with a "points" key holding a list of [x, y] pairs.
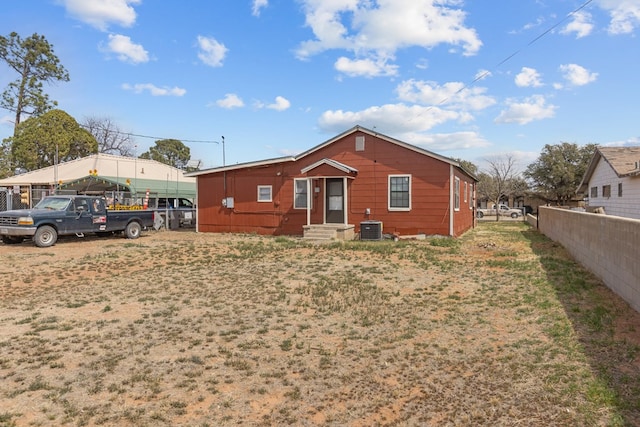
{"points": [[223, 159]]}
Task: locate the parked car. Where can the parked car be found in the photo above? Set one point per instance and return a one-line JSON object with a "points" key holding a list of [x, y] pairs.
{"points": [[57, 216], [503, 210], [180, 211]]}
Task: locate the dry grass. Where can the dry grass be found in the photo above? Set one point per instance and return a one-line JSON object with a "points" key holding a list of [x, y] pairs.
{"points": [[497, 328]]}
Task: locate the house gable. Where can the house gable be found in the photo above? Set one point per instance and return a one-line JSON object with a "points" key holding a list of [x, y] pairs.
{"points": [[612, 181]]}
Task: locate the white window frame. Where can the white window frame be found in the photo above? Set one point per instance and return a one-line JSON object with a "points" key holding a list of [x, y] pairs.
{"points": [[307, 186], [396, 208], [456, 193], [263, 187], [470, 196]]}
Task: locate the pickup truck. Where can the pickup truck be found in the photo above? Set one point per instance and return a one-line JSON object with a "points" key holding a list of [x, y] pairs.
{"points": [[57, 216], [503, 210]]}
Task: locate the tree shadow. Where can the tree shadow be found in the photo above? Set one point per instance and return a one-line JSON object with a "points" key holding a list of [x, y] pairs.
{"points": [[607, 328]]}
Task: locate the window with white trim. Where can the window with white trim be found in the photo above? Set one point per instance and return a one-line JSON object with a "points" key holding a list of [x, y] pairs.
{"points": [[470, 196], [465, 191], [456, 196], [299, 193], [264, 193], [399, 192]]}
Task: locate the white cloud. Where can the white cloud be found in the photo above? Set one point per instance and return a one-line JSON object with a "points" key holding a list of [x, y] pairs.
{"points": [[446, 141], [376, 30], [154, 90], [395, 119], [533, 108], [281, 104], [408, 123], [258, 5], [101, 13], [230, 101], [126, 50], [625, 15], [576, 75], [528, 77], [454, 94], [581, 25], [365, 67], [211, 52]]}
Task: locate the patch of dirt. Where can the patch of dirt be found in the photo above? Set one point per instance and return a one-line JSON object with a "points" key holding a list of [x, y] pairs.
{"points": [[179, 328]]}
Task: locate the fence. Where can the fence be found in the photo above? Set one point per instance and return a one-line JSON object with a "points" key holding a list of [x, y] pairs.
{"points": [[608, 246]]}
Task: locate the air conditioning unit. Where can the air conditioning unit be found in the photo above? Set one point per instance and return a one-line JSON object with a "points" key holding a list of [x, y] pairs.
{"points": [[371, 230]]}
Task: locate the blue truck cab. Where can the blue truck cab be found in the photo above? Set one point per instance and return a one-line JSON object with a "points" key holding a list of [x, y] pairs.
{"points": [[57, 216]]}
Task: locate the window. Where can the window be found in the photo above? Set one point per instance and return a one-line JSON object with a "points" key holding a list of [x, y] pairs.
{"points": [[300, 194], [606, 191], [619, 189], [399, 192], [470, 196], [465, 191], [594, 192], [264, 193], [456, 196]]}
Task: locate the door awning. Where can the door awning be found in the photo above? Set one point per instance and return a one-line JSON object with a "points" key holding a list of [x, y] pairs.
{"points": [[321, 167]]}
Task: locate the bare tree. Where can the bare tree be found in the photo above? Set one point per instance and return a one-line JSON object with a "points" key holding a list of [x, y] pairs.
{"points": [[498, 179], [111, 140]]}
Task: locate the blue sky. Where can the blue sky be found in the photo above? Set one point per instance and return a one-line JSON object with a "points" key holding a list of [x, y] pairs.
{"points": [[465, 79]]}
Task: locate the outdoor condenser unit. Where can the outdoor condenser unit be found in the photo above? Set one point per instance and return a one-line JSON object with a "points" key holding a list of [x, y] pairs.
{"points": [[371, 230]]}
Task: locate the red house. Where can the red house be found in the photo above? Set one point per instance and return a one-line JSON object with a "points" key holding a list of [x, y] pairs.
{"points": [[357, 182]]}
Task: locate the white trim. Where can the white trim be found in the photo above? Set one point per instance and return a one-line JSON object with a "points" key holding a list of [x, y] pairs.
{"points": [[295, 181], [333, 163], [260, 187], [456, 194], [394, 208]]}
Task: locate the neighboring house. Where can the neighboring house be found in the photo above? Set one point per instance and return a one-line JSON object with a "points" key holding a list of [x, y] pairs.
{"points": [[355, 177], [612, 181], [97, 174]]}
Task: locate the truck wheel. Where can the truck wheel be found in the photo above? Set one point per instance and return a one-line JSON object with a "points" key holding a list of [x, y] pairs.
{"points": [[479, 214], [133, 230], [11, 240], [45, 236], [514, 215]]}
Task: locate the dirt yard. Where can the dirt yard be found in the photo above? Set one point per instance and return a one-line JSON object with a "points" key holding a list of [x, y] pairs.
{"points": [[498, 328]]}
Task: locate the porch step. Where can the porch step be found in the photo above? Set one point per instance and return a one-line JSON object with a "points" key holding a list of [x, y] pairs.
{"points": [[320, 234], [328, 232]]}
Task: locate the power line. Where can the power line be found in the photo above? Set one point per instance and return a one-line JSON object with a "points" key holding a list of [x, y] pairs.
{"points": [[531, 42], [148, 136]]}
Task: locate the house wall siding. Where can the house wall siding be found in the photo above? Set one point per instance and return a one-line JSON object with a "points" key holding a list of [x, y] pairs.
{"points": [[628, 205], [430, 197]]}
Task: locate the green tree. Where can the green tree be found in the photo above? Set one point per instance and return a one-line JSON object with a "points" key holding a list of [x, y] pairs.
{"points": [[35, 62], [37, 139], [467, 166], [170, 152], [556, 174]]}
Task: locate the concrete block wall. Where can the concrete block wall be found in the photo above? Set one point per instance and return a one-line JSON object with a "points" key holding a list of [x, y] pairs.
{"points": [[608, 246]]}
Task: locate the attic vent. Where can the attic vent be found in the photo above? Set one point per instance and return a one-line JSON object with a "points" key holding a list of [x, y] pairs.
{"points": [[360, 143]]}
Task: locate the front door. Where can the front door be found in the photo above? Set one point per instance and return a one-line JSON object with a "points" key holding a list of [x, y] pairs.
{"points": [[335, 201]]}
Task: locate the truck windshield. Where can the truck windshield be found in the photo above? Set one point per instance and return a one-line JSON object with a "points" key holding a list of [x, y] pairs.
{"points": [[53, 203]]}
